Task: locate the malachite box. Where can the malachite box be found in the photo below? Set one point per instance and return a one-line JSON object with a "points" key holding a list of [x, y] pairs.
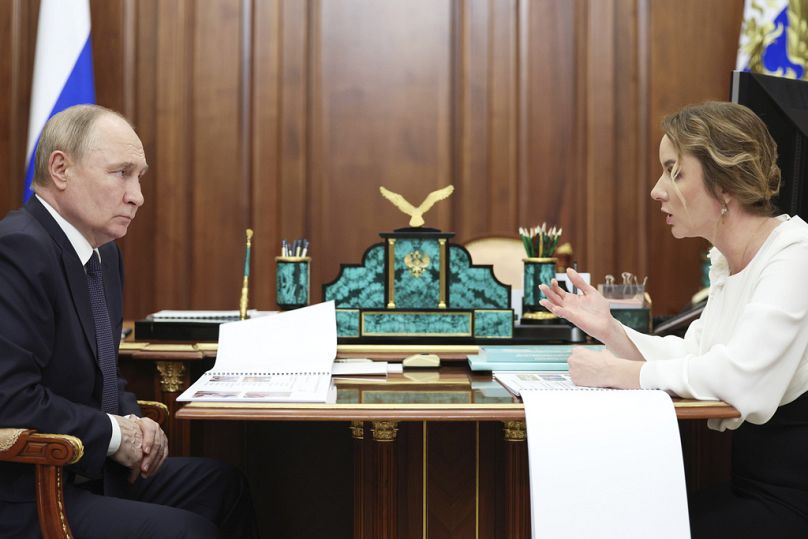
{"points": [[416, 284], [292, 281]]}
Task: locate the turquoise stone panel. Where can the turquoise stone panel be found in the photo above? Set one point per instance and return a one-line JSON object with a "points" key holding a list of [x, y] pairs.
{"points": [[347, 323], [536, 273], [395, 323], [636, 319], [292, 279], [417, 286], [490, 324], [360, 286], [473, 288]]}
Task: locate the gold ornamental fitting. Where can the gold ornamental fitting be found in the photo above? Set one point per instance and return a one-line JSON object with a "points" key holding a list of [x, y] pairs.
{"points": [[292, 258], [540, 260]]}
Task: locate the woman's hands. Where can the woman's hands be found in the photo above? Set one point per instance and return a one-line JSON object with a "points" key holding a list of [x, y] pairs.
{"points": [[589, 311], [593, 368]]}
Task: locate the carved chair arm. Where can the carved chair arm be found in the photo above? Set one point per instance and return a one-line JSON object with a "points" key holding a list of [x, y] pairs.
{"points": [[30, 447], [156, 411]]}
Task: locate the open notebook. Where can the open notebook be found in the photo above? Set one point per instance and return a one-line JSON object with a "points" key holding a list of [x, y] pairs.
{"points": [[287, 357]]}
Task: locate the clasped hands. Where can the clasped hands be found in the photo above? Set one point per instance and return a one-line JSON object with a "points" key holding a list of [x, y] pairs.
{"points": [[143, 448]]}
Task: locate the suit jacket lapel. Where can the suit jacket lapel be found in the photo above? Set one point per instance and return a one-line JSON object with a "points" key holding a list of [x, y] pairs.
{"points": [[71, 265]]}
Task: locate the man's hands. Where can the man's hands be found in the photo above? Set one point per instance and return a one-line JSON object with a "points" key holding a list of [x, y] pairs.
{"points": [[143, 448]]}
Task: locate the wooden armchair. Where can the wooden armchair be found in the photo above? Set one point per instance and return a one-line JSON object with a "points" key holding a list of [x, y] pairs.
{"points": [[49, 453]]}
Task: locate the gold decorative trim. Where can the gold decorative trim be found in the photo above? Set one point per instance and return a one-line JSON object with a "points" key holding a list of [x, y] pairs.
{"points": [[477, 480], [357, 430], [442, 302], [515, 431], [424, 504], [391, 273], [411, 313], [171, 375], [384, 431], [417, 263], [61, 504], [375, 407], [292, 259], [544, 260], [539, 315]]}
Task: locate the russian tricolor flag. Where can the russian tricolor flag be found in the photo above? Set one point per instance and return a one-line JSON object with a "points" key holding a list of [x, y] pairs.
{"points": [[63, 68]]}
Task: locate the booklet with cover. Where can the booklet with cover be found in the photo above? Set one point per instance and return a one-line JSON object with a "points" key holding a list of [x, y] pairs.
{"points": [[540, 357], [287, 357], [517, 382]]}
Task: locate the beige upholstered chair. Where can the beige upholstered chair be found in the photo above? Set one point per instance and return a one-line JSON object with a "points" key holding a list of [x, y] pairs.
{"points": [[504, 253], [49, 453]]}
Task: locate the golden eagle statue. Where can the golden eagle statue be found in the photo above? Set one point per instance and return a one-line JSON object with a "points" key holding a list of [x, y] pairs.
{"points": [[416, 214]]}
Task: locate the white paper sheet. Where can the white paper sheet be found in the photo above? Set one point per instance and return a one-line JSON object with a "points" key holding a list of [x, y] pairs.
{"points": [[605, 464], [294, 341]]}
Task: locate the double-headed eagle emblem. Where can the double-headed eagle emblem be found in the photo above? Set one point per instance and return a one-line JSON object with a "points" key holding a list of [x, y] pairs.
{"points": [[416, 214]]}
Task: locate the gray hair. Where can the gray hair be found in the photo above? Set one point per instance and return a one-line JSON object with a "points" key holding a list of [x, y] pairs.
{"points": [[68, 131]]}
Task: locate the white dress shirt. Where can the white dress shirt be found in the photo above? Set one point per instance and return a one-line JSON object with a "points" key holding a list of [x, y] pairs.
{"points": [[750, 346]]}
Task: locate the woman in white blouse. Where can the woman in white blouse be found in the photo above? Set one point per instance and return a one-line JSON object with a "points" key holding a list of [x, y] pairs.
{"points": [[750, 346]]}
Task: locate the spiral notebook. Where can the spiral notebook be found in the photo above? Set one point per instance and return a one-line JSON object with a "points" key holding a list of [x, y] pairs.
{"points": [[287, 357], [516, 382]]}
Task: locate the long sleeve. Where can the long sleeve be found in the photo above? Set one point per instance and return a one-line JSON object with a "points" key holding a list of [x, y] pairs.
{"points": [[749, 348], [32, 361]]}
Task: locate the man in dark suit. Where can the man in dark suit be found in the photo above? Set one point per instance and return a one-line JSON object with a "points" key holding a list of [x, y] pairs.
{"points": [[61, 276]]}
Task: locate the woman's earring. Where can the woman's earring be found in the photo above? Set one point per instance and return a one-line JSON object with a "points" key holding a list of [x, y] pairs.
{"points": [[724, 209]]}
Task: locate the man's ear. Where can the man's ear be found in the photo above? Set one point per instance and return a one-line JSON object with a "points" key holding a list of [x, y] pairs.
{"points": [[58, 165]]}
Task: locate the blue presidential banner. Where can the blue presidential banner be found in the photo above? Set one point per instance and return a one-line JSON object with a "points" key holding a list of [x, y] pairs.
{"points": [[63, 68], [774, 38]]}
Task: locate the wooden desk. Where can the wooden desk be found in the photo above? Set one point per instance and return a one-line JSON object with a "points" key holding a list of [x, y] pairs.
{"points": [[429, 453]]}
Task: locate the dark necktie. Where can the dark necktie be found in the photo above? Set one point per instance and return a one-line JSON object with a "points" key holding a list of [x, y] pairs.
{"points": [[103, 335]]}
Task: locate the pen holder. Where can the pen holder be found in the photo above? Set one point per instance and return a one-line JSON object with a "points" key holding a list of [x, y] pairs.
{"points": [[292, 281], [536, 271]]}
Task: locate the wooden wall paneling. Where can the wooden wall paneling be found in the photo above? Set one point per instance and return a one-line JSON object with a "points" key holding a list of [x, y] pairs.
{"points": [[504, 120], [107, 19], [293, 131], [689, 63], [631, 136], [9, 41], [382, 110], [471, 114], [18, 38], [550, 178], [603, 187], [266, 166], [217, 191], [169, 110]]}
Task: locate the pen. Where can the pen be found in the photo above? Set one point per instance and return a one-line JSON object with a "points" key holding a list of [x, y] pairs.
{"points": [[575, 267], [305, 248]]}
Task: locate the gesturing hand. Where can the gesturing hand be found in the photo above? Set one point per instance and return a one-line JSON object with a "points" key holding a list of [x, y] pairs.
{"points": [[589, 311]]}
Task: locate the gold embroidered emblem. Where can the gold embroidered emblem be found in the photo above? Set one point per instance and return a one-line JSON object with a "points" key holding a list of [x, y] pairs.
{"points": [[416, 262]]}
